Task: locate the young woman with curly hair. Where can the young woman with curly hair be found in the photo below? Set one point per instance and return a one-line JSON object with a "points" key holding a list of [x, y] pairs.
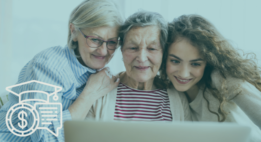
{"points": [[220, 84]]}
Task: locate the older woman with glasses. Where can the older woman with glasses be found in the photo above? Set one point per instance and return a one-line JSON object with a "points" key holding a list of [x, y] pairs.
{"points": [[141, 95], [92, 40]]}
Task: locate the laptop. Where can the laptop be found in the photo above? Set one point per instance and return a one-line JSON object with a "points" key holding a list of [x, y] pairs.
{"points": [[125, 131]]}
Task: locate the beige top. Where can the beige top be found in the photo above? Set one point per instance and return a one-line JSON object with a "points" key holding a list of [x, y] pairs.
{"points": [[104, 108], [243, 109]]}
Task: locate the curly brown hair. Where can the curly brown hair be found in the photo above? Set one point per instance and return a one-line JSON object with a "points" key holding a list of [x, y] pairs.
{"points": [[219, 55]]}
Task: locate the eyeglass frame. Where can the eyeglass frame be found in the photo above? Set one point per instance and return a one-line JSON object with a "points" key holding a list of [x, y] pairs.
{"points": [[85, 36]]}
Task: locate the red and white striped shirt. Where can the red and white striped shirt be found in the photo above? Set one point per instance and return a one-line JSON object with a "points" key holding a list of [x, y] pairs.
{"points": [[133, 104]]}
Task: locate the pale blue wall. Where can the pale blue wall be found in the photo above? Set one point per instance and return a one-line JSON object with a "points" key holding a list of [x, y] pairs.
{"points": [[38, 25]]}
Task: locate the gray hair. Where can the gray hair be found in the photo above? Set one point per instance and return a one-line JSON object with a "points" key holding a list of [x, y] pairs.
{"points": [[91, 14], [142, 19]]}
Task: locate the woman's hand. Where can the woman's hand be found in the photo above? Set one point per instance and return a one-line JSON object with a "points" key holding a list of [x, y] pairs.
{"points": [[98, 85], [232, 86]]}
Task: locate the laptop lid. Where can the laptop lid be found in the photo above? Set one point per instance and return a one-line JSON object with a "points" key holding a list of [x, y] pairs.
{"points": [[91, 131]]}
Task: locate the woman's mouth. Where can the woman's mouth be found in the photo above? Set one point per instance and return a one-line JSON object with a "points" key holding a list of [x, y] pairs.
{"points": [[99, 57], [142, 68], [182, 81]]}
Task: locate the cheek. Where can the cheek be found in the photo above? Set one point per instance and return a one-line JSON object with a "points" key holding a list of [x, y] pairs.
{"points": [[156, 59], [199, 72], [128, 58], [86, 50], [170, 68]]}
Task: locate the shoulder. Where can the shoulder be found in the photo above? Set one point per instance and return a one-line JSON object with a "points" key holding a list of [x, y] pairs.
{"points": [[45, 66], [173, 93], [51, 61], [54, 56]]}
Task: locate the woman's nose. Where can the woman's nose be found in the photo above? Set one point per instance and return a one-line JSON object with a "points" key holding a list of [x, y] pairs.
{"points": [[102, 50], [142, 55], [184, 72]]}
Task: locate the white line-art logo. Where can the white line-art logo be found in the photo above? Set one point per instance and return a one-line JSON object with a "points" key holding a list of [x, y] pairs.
{"points": [[28, 118]]}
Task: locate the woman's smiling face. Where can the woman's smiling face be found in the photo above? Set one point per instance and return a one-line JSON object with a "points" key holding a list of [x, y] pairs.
{"points": [[185, 66], [142, 53], [96, 58]]}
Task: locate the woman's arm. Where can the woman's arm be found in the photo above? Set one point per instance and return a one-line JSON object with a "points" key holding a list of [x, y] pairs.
{"points": [[98, 85], [249, 100]]}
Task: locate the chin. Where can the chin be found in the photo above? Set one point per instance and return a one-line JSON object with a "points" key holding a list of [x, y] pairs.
{"points": [[96, 67], [181, 89]]}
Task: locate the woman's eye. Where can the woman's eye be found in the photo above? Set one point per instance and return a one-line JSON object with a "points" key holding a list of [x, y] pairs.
{"points": [[195, 64], [112, 42], [133, 48], [96, 40], [175, 61], [151, 49]]}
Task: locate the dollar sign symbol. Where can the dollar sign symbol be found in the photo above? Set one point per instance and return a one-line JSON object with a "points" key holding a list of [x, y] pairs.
{"points": [[21, 115]]}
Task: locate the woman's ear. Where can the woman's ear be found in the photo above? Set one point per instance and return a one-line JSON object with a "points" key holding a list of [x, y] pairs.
{"points": [[72, 29]]}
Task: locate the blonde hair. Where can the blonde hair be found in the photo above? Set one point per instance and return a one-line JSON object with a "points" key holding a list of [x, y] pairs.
{"points": [[219, 54], [91, 14]]}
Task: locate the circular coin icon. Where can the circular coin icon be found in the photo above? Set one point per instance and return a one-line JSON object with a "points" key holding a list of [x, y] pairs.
{"points": [[21, 112]]}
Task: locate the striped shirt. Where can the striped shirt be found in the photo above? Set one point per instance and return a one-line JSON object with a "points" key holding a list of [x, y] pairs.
{"points": [[141, 105], [57, 66]]}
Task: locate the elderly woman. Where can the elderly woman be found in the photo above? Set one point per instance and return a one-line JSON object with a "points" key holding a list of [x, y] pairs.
{"points": [[140, 96], [92, 40]]}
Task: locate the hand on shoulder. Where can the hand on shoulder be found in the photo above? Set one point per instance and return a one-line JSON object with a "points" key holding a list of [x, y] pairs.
{"points": [[228, 85], [100, 84]]}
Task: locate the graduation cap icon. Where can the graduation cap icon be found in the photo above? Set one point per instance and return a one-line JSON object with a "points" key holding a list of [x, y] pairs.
{"points": [[42, 113], [26, 91]]}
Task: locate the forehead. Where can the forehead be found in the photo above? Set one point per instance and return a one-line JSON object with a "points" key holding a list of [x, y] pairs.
{"points": [[184, 50], [148, 33], [102, 31]]}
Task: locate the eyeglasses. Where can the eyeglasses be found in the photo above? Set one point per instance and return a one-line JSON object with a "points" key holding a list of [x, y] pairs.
{"points": [[95, 42]]}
